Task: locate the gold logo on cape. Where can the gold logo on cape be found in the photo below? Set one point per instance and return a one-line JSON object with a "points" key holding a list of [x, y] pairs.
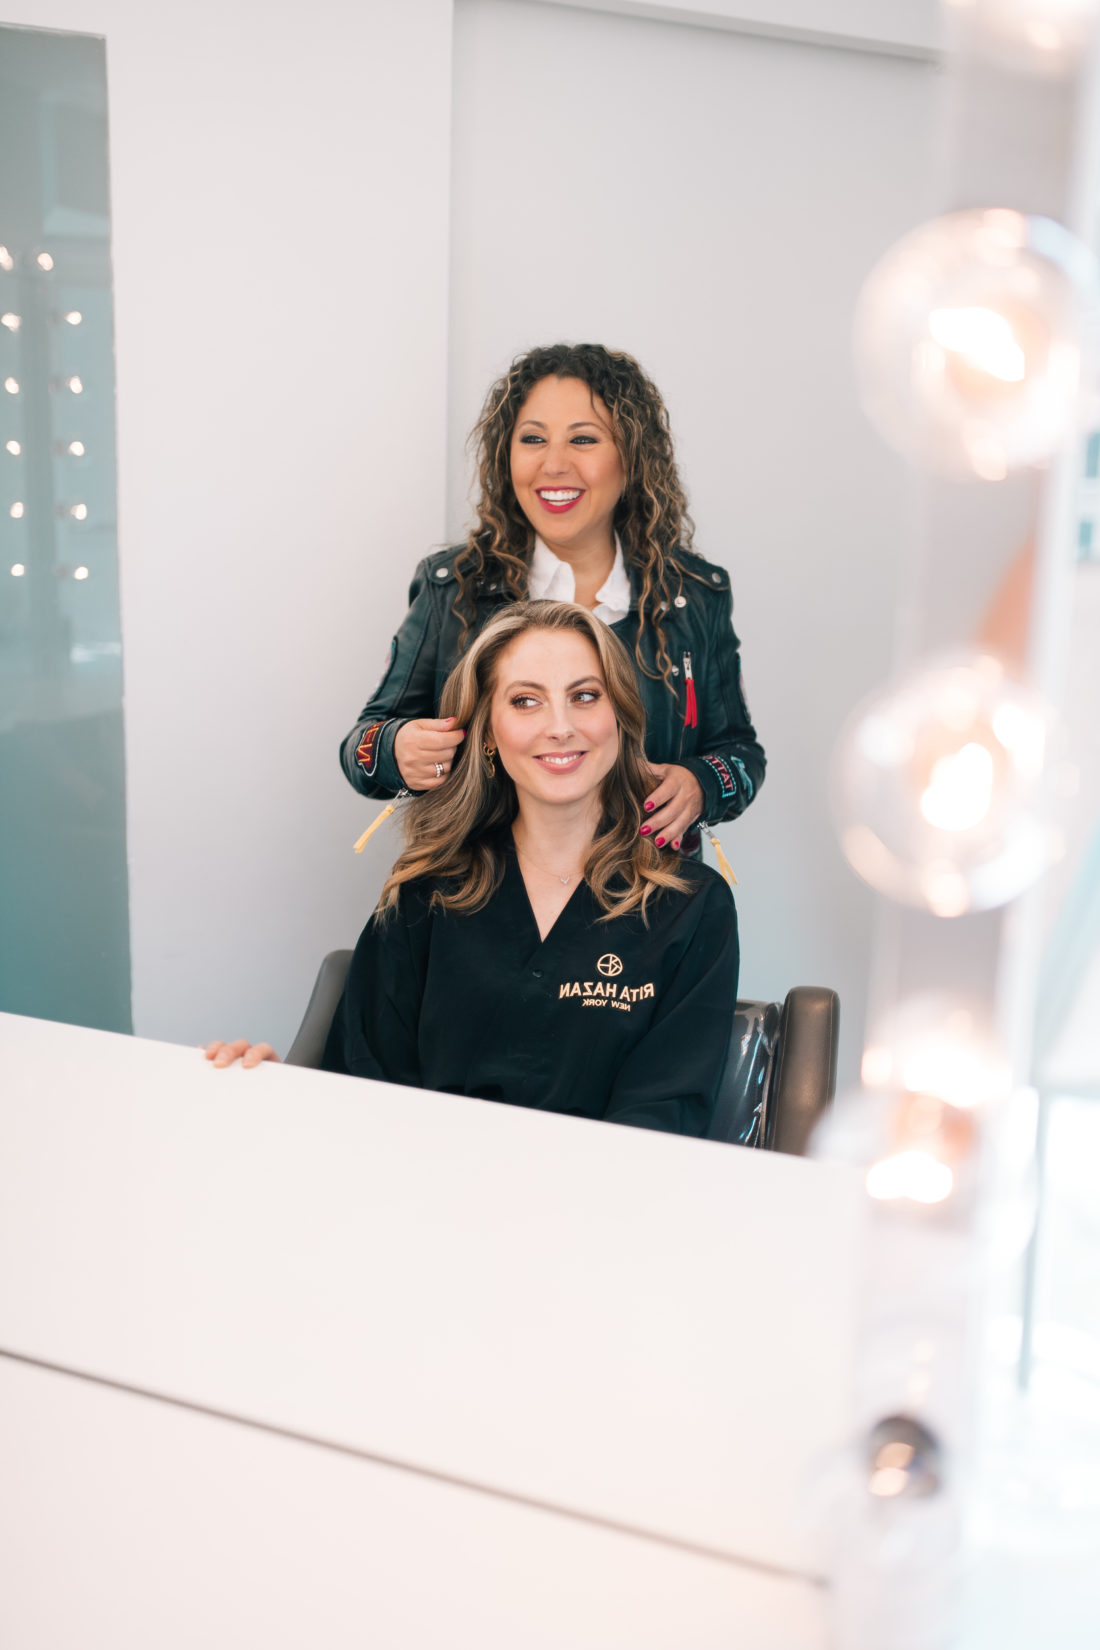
{"points": [[610, 964]]}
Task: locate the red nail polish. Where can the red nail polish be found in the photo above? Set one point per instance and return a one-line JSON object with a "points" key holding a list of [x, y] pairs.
{"points": [[676, 844], [660, 842], [645, 830], [650, 806]]}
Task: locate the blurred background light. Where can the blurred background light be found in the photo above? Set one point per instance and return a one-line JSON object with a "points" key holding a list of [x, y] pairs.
{"points": [[904, 1457], [7, 262], [926, 1145], [11, 385], [13, 448], [18, 570], [968, 341], [1042, 37], [915, 1175], [939, 788], [11, 321], [44, 261], [932, 1044], [16, 510], [80, 573]]}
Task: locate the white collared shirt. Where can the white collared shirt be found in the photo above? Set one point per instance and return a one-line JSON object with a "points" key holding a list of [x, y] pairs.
{"points": [[551, 579]]}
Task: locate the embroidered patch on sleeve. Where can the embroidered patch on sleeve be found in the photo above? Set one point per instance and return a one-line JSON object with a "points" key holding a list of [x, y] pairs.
{"points": [[367, 752], [725, 778]]}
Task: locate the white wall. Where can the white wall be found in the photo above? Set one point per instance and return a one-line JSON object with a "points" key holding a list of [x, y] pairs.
{"points": [[279, 194], [711, 202], [910, 28]]}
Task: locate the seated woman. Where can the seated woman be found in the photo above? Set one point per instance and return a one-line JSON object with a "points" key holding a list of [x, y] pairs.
{"points": [[529, 945]]}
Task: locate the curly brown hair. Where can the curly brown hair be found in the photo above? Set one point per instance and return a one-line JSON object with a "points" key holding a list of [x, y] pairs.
{"points": [[651, 518], [459, 831]]}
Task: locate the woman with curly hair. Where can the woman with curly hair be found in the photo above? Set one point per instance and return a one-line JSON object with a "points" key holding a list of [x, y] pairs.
{"points": [[530, 946], [580, 500]]}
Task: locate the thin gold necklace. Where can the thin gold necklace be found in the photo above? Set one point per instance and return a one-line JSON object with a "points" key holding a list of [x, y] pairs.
{"points": [[565, 881]]}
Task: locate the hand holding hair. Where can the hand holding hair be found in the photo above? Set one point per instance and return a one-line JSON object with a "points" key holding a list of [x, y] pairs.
{"points": [[424, 750]]}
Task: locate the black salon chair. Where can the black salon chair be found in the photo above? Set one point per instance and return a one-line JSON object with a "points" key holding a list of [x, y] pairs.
{"points": [[308, 1046], [780, 1071], [780, 1074]]}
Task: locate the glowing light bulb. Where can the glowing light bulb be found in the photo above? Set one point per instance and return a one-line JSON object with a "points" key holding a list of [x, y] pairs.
{"points": [[44, 261], [934, 1129], [983, 338], [17, 570], [1038, 37], [968, 341], [14, 448], [904, 1458], [888, 1481], [76, 448], [11, 385], [911, 1148], [75, 384], [890, 1474], [80, 573], [16, 511], [1046, 37], [79, 512], [915, 1175], [939, 788], [74, 317], [12, 322], [7, 262], [934, 1045], [960, 789]]}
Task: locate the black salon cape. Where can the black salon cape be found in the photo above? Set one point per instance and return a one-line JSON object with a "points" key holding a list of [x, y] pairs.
{"points": [[612, 1019]]}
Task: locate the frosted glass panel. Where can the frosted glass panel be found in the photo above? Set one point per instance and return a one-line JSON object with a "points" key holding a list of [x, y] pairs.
{"points": [[64, 931]]}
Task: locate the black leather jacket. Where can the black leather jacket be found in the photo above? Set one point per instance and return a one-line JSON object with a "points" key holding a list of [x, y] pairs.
{"points": [[721, 749]]}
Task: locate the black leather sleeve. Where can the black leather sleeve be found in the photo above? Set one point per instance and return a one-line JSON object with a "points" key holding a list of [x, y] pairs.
{"points": [[731, 763], [406, 691]]}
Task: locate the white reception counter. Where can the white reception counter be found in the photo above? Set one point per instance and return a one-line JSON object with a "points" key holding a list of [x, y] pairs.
{"points": [[294, 1358]]}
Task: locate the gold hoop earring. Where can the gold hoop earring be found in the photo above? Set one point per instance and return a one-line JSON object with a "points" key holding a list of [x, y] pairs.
{"points": [[489, 751]]}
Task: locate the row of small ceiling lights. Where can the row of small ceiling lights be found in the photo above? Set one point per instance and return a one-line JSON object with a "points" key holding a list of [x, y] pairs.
{"points": [[75, 449]]}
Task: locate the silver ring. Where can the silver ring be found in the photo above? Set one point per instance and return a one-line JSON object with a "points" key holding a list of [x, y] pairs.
{"points": [[439, 770]]}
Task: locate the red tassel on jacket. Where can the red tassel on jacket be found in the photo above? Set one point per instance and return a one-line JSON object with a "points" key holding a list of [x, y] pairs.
{"points": [[691, 714]]}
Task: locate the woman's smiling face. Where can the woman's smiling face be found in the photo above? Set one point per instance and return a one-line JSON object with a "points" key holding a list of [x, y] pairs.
{"points": [[552, 719], [566, 470]]}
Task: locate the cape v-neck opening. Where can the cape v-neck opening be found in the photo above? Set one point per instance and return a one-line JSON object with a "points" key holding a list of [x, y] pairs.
{"points": [[513, 869]]}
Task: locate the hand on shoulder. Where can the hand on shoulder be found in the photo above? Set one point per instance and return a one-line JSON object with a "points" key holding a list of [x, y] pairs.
{"points": [[674, 806]]}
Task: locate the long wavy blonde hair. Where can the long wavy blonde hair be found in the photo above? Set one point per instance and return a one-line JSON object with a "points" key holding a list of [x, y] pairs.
{"points": [[651, 518], [459, 832]]}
